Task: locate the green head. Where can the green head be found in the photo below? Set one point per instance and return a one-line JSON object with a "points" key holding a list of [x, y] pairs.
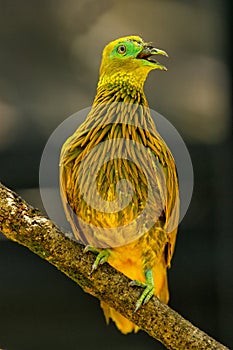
{"points": [[129, 59]]}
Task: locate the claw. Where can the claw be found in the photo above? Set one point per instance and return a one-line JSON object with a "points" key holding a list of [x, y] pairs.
{"points": [[89, 248], [137, 283], [102, 256], [148, 291]]}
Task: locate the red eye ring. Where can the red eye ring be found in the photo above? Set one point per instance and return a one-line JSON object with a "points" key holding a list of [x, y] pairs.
{"points": [[121, 49]]}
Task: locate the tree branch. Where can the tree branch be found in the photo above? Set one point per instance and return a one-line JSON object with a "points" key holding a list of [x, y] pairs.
{"points": [[24, 224]]}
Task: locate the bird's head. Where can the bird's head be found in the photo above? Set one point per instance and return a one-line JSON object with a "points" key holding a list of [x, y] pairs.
{"points": [[129, 59]]}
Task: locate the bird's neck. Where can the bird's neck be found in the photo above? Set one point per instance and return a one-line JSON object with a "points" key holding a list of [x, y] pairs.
{"points": [[120, 101], [121, 87]]}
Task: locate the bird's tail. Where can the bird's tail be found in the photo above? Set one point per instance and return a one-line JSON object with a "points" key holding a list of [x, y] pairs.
{"points": [[122, 323]]}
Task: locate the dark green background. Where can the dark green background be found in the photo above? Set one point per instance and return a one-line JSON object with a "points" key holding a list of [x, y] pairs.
{"points": [[50, 52]]}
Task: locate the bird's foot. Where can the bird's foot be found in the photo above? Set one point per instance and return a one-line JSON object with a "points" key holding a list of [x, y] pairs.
{"points": [[102, 256], [148, 291]]}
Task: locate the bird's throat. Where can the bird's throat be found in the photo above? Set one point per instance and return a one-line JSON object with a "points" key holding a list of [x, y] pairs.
{"points": [[121, 87]]}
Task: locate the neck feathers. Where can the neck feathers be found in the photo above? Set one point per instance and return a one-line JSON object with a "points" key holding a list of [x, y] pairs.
{"points": [[121, 87]]}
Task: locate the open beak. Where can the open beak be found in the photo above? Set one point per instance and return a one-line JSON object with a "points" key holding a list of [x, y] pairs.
{"points": [[148, 53]]}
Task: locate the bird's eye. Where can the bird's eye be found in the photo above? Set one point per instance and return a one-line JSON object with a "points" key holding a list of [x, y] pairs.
{"points": [[121, 49]]}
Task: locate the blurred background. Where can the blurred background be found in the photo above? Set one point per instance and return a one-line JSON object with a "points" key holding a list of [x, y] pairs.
{"points": [[50, 52]]}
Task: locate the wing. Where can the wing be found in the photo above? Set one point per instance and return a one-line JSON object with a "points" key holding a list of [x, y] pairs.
{"points": [[172, 202]]}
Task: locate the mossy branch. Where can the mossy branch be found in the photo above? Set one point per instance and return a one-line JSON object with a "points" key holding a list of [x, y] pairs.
{"points": [[26, 225]]}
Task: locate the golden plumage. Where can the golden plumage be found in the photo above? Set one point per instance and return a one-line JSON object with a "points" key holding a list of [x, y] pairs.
{"points": [[120, 111]]}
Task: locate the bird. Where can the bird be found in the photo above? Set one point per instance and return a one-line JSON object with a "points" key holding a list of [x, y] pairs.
{"points": [[118, 143]]}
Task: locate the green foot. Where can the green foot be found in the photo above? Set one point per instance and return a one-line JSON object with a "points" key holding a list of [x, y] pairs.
{"points": [[102, 256], [148, 291]]}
